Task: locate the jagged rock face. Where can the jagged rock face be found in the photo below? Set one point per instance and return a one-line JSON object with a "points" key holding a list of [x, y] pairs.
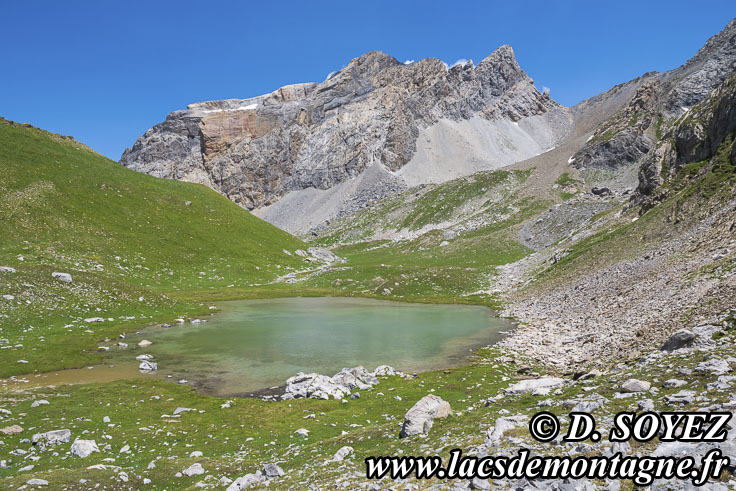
{"points": [[650, 171], [710, 66], [622, 140], [631, 136], [695, 136], [317, 135], [700, 132]]}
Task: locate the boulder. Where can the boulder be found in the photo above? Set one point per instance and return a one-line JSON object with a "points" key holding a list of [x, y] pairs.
{"points": [[246, 481], [65, 277], [673, 383], [681, 339], [338, 386], [633, 385], [341, 454], [384, 371], [40, 402], [420, 417], [589, 375], [535, 384], [714, 366], [11, 430], [147, 366], [302, 432], [84, 448], [684, 397], [7, 269], [355, 378], [51, 438], [314, 385], [271, 471], [324, 255], [145, 343], [193, 470]]}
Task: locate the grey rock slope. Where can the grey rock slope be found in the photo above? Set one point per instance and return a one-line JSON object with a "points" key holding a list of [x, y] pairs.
{"points": [[411, 123], [630, 136]]}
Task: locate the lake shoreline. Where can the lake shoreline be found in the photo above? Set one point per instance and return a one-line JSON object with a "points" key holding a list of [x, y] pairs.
{"points": [[100, 372]]}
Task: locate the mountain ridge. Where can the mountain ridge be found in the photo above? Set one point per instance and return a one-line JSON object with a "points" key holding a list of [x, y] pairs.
{"points": [[376, 111]]}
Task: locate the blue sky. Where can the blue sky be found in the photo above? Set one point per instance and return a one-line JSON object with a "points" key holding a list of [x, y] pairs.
{"points": [[106, 71]]}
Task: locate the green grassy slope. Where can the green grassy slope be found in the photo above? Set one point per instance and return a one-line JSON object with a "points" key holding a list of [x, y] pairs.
{"points": [[128, 240], [61, 203], [481, 213]]}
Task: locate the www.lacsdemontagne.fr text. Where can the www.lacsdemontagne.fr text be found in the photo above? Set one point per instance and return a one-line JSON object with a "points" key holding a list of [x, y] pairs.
{"points": [[641, 470]]}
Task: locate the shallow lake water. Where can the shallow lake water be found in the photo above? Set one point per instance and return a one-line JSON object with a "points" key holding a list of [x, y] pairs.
{"points": [[255, 344]]}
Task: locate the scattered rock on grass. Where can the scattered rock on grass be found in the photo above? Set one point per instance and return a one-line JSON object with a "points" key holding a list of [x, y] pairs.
{"points": [[420, 417]]}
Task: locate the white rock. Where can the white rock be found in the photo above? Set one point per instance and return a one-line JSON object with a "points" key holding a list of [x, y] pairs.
{"points": [[530, 385], [315, 386], [384, 371], [633, 385], [40, 402], [94, 319], [302, 432], [324, 255], [355, 378], [244, 482], [193, 470], [65, 277], [7, 269], [147, 366], [272, 471], [183, 410], [11, 430], [342, 453], [144, 357], [195, 454], [84, 448], [37, 482], [145, 343], [56, 437], [420, 417], [715, 366]]}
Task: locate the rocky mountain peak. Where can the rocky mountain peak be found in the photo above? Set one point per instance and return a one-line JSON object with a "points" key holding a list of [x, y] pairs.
{"points": [[370, 114]]}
